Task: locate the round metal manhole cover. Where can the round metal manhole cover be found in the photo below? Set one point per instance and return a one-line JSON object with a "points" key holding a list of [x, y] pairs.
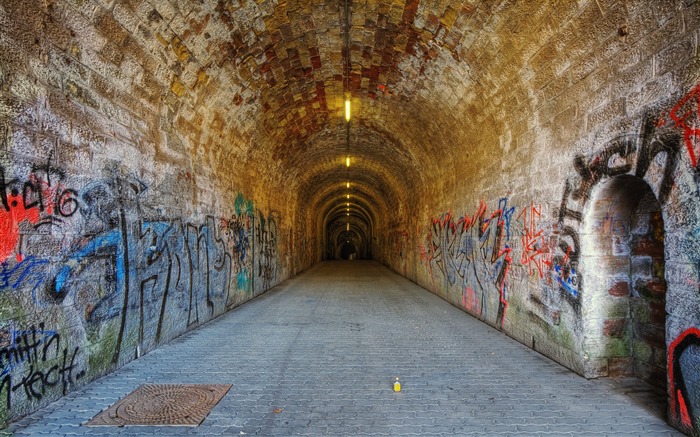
{"points": [[163, 404]]}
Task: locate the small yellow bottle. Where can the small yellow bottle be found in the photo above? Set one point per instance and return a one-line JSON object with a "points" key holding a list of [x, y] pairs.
{"points": [[397, 385]]}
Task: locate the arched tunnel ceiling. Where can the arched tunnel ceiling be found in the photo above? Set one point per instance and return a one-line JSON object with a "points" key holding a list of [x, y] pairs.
{"points": [[419, 74]]}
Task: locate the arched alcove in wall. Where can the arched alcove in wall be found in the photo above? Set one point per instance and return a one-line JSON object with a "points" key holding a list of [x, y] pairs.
{"points": [[624, 311], [348, 251]]}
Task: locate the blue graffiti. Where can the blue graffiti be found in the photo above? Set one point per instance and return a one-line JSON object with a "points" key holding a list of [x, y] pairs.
{"points": [[567, 281], [24, 347], [110, 242], [25, 272], [506, 214]]}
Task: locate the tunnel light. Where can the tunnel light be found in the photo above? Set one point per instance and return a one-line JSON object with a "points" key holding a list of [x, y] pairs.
{"points": [[347, 204], [347, 161], [347, 213], [347, 110], [348, 196], [347, 228], [347, 185]]}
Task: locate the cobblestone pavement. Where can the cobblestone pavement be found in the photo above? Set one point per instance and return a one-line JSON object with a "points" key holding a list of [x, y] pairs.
{"points": [[318, 354]]}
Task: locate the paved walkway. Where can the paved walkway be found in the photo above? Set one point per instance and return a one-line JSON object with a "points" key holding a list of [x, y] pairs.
{"points": [[317, 356]]}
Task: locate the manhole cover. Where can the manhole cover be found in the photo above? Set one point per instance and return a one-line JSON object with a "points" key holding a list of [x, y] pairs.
{"points": [[163, 404]]}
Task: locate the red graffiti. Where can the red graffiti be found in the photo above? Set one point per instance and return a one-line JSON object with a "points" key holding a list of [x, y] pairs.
{"points": [[679, 407], [9, 225], [471, 249], [36, 201], [536, 252], [469, 300], [686, 115]]}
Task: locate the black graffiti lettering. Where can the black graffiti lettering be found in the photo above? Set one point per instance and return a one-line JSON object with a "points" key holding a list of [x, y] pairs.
{"points": [[590, 173], [28, 382], [564, 211], [67, 202], [3, 189], [625, 149], [32, 196], [600, 166], [47, 169], [47, 365], [47, 379], [670, 144], [35, 376], [66, 372], [55, 338], [572, 249], [26, 348], [41, 189]]}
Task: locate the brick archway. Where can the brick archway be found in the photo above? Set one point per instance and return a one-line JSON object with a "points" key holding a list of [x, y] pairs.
{"points": [[624, 312]]}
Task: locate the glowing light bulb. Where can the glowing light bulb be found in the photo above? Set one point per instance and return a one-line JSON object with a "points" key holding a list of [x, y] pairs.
{"points": [[347, 110], [347, 161], [348, 196], [347, 185]]}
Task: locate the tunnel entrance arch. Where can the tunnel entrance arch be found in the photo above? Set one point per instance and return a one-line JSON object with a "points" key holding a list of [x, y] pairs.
{"points": [[348, 222], [349, 244], [624, 312], [348, 251]]}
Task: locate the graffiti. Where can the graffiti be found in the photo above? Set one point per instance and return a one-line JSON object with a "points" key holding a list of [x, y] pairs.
{"points": [[536, 248], [472, 252], [40, 198], [133, 277], [26, 273], [686, 115], [266, 246], [127, 268], [653, 154], [36, 348], [147, 263], [239, 232], [683, 358]]}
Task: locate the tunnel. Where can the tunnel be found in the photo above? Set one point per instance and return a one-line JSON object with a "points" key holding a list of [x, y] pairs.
{"points": [[533, 164]]}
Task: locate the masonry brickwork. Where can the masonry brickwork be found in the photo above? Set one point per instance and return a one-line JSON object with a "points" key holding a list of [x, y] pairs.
{"points": [[533, 163]]}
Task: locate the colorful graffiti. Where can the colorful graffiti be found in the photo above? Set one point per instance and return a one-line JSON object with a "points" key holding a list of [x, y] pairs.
{"points": [[240, 233], [38, 199], [133, 277], [537, 248], [266, 234], [43, 363], [684, 379], [653, 153], [472, 252], [686, 115]]}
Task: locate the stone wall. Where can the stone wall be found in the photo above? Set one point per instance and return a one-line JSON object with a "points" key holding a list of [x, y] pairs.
{"points": [[126, 219], [163, 161], [601, 93]]}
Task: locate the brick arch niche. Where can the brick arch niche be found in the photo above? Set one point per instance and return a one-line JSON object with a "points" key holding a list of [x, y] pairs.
{"points": [[624, 308]]}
